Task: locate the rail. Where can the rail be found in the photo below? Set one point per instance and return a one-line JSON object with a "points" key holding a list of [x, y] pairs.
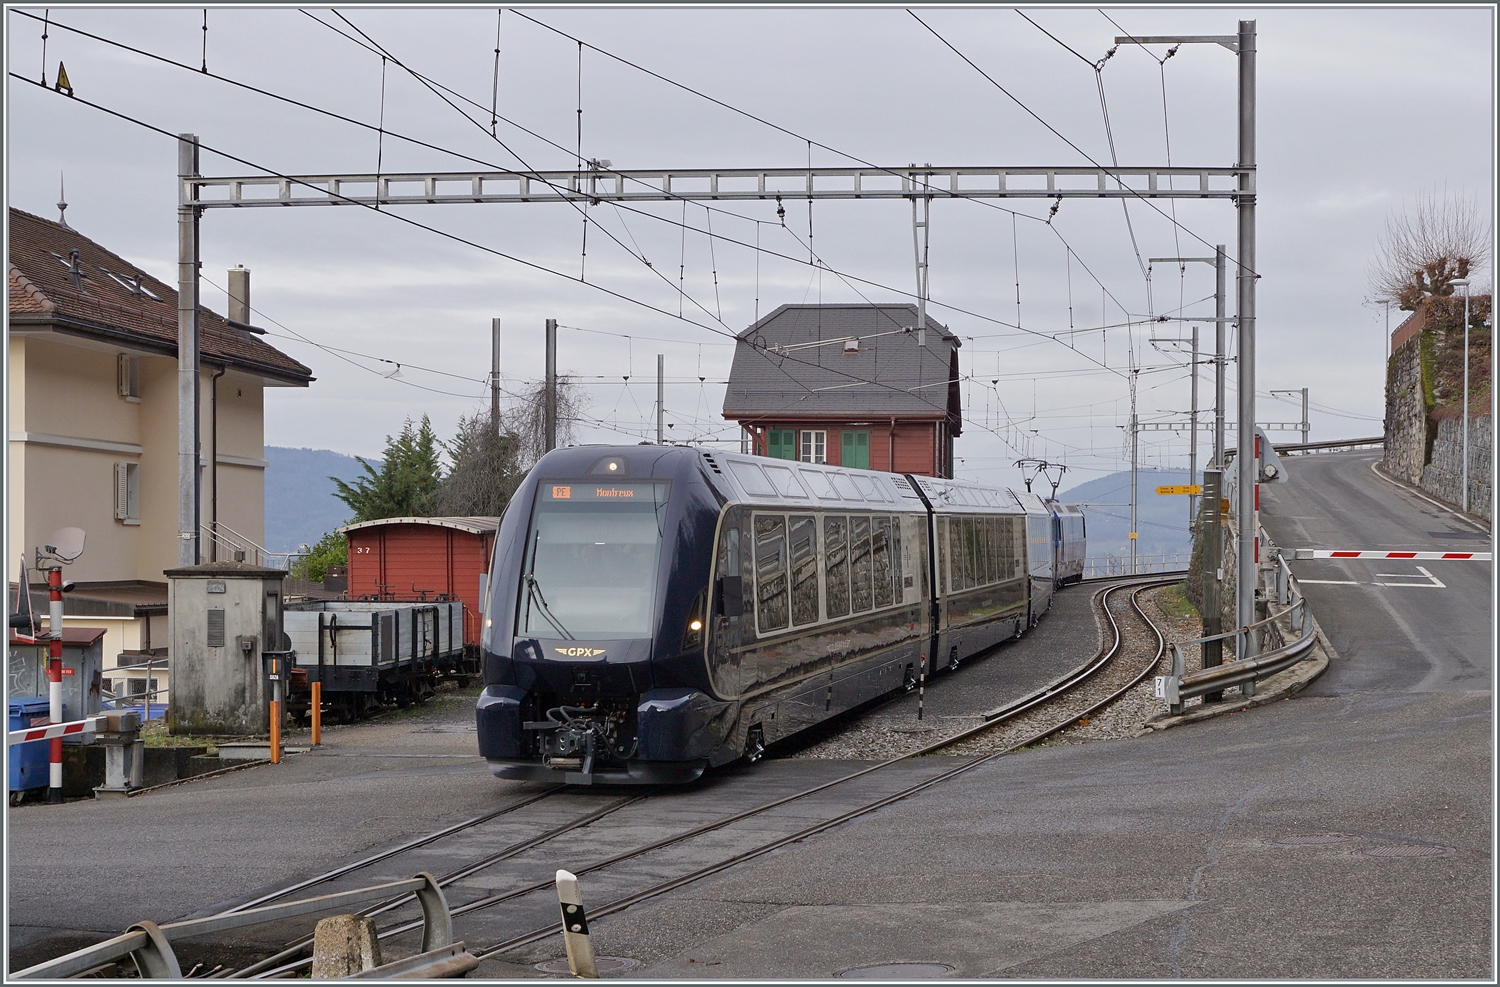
{"points": [[1180, 686], [148, 945]]}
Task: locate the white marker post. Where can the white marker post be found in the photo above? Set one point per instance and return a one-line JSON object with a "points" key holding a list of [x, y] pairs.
{"points": [[575, 928]]}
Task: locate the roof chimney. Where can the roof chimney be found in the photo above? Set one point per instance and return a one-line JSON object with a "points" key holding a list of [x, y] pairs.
{"points": [[239, 294]]}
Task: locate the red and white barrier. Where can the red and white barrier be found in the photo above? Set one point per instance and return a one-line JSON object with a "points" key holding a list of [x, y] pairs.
{"points": [[1315, 553], [55, 731]]}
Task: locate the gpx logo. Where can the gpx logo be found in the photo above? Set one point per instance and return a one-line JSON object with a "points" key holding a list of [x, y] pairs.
{"points": [[579, 652]]}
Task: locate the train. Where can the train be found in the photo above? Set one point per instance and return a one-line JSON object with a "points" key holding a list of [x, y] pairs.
{"points": [[657, 611]]}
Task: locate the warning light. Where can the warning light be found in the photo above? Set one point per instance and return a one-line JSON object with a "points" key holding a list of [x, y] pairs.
{"points": [[695, 625]]}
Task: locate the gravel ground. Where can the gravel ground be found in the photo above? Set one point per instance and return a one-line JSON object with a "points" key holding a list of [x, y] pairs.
{"points": [[886, 732]]}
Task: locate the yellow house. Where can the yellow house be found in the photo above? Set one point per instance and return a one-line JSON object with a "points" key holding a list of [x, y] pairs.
{"points": [[92, 402]]}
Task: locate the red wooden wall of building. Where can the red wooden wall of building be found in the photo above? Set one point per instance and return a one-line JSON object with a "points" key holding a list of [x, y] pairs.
{"points": [[422, 558]]}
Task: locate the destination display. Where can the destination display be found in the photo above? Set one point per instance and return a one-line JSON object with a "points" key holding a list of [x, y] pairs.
{"points": [[608, 492]]}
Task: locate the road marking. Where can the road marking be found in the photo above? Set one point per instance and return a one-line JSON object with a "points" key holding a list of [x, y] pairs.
{"points": [[1328, 582], [1432, 583]]}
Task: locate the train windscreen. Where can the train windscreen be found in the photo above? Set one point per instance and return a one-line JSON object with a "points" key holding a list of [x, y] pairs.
{"points": [[590, 569]]}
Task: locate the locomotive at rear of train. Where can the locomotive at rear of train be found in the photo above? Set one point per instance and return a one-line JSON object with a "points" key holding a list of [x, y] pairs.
{"points": [[655, 611]]}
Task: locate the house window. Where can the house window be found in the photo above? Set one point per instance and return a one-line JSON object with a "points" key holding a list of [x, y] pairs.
{"points": [[781, 443], [128, 378], [128, 492], [814, 447], [855, 452]]}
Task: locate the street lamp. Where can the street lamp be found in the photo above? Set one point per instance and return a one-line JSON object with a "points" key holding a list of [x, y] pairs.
{"points": [[1465, 480]]}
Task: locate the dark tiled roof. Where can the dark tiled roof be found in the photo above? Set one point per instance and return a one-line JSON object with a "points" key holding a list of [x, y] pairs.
{"points": [[41, 291], [890, 375]]}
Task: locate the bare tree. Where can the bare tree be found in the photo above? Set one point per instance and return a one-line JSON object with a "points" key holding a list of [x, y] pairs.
{"points": [[490, 457], [530, 417], [1423, 250]]}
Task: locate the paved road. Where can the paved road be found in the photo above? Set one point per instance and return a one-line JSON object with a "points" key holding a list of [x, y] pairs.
{"points": [[1398, 626]]}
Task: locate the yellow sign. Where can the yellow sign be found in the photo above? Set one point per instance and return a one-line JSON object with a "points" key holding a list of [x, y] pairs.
{"points": [[1186, 488], [1132, 534]]}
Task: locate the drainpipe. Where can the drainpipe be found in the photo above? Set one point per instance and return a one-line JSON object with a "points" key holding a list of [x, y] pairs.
{"points": [[893, 443], [213, 431]]}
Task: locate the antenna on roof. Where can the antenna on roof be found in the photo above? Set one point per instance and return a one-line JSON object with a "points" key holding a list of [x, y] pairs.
{"points": [[62, 201]]}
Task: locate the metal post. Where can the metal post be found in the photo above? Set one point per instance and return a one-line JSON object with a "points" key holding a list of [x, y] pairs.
{"points": [[919, 245], [1134, 445], [551, 395], [495, 374], [1246, 550], [54, 678], [1219, 361], [660, 396], [188, 479], [1465, 480], [1193, 433], [1212, 532]]}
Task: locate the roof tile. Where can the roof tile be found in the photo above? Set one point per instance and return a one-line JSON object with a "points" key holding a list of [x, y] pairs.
{"points": [[41, 288]]}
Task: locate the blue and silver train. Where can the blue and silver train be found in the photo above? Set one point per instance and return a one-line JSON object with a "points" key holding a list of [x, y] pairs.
{"points": [[658, 610]]}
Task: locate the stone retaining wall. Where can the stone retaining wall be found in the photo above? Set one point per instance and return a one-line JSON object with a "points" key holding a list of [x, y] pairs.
{"points": [[1443, 475]]}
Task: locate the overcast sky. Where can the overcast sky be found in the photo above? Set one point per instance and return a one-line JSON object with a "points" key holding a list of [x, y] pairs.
{"points": [[1359, 111]]}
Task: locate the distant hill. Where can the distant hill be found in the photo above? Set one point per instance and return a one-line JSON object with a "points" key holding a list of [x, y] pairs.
{"points": [[1161, 519], [300, 505]]}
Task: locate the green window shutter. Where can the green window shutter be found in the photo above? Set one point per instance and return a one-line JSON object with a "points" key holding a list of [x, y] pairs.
{"points": [[781, 443], [856, 450]]}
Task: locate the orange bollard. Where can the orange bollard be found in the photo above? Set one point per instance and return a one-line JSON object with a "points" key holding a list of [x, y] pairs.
{"points": [[317, 713]]}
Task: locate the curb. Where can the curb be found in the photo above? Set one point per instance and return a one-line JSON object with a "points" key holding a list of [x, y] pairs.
{"points": [[1283, 685]]}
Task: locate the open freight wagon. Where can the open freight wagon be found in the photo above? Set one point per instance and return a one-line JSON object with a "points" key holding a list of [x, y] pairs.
{"points": [[369, 653]]}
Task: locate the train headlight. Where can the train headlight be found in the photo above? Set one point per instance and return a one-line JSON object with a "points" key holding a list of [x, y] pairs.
{"points": [[692, 635]]}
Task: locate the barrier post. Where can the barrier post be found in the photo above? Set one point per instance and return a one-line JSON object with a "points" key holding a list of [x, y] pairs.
{"points": [[54, 680], [575, 928]]}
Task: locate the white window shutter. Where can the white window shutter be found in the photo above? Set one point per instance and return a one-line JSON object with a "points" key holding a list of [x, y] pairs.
{"points": [[122, 380], [122, 491]]}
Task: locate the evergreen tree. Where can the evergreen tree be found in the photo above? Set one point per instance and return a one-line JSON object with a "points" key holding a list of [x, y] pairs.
{"points": [[406, 482]]}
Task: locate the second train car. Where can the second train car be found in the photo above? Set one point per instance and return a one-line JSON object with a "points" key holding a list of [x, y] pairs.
{"points": [[655, 611]]}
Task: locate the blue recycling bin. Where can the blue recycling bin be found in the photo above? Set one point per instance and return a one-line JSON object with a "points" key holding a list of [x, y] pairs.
{"points": [[29, 762]]}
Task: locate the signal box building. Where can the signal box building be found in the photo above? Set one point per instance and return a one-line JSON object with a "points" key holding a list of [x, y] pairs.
{"points": [[848, 385], [423, 558]]}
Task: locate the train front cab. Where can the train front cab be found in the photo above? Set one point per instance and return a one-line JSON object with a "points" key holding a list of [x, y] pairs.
{"points": [[1039, 553], [594, 636]]}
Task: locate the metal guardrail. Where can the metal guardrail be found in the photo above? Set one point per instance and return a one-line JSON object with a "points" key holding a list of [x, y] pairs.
{"points": [[1333, 445], [148, 945], [1096, 566], [1180, 686]]}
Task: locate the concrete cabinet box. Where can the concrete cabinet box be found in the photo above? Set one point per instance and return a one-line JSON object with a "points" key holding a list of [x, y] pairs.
{"points": [[223, 615]]}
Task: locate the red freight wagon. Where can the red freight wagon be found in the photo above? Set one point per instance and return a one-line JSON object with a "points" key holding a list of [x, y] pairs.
{"points": [[422, 558]]}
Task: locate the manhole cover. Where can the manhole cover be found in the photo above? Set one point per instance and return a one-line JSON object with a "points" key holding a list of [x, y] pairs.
{"points": [[897, 971], [606, 965], [1408, 850], [1314, 839]]}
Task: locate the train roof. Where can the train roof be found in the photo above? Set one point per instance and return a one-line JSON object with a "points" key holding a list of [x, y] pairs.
{"points": [[966, 497], [778, 481]]}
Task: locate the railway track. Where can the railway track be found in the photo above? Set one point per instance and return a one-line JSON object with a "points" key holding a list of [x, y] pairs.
{"points": [[1033, 718]]}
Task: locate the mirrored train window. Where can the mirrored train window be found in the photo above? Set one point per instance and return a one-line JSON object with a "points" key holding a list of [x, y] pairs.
{"points": [[860, 590], [804, 546], [898, 562], [770, 571], [836, 554], [991, 550], [942, 555], [880, 538]]}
